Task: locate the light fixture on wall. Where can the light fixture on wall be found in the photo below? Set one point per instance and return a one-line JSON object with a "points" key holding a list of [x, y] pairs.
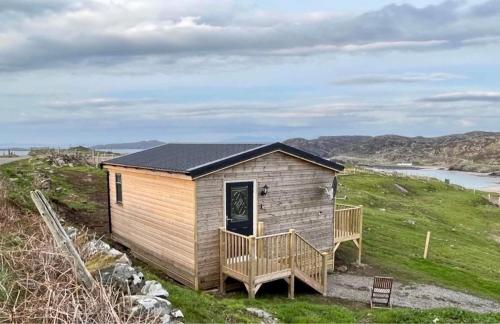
{"points": [[264, 190]]}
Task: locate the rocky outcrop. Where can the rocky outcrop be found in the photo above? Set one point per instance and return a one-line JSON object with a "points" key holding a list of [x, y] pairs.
{"points": [[480, 150]]}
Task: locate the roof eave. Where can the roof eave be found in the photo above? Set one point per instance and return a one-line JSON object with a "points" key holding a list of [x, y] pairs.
{"points": [[252, 154], [103, 164]]}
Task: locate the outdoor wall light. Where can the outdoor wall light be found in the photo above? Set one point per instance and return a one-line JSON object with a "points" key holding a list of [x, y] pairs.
{"points": [[264, 190]]}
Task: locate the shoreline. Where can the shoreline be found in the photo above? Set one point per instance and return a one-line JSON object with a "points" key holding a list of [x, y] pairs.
{"points": [[466, 179], [427, 167]]}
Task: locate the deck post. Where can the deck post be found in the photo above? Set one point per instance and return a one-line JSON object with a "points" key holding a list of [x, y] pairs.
{"points": [[253, 267], [360, 234], [334, 220], [260, 243], [222, 254], [324, 270], [291, 252]]}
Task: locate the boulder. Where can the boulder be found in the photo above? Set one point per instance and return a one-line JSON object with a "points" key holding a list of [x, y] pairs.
{"points": [[342, 268], [410, 222], [177, 314], [148, 305], [96, 246], [155, 289], [263, 315], [124, 276]]}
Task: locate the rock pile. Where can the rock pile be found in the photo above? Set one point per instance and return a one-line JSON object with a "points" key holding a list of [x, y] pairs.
{"points": [[63, 159], [41, 181], [113, 267]]}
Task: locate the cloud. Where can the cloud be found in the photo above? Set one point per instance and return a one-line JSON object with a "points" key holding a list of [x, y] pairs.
{"points": [[103, 34], [96, 103], [96, 119], [397, 78], [477, 96], [290, 112], [31, 7]]}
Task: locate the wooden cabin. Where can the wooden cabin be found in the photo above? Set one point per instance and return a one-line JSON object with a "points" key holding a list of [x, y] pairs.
{"points": [[253, 212]]}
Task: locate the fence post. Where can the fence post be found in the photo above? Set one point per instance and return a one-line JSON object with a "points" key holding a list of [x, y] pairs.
{"points": [[427, 240], [222, 262], [360, 247], [253, 264], [292, 249], [324, 273]]}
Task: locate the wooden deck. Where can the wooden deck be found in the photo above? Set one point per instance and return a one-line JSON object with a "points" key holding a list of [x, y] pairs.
{"points": [[348, 226], [257, 260]]}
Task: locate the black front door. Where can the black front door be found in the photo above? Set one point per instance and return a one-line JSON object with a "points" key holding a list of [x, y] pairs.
{"points": [[239, 207]]}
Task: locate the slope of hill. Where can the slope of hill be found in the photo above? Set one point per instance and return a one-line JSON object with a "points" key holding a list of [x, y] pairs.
{"points": [[474, 151], [142, 145], [464, 252]]}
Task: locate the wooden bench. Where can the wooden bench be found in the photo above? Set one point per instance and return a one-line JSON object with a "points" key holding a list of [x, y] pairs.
{"points": [[381, 292]]}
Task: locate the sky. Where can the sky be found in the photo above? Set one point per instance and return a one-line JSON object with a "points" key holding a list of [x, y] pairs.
{"points": [[83, 72]]}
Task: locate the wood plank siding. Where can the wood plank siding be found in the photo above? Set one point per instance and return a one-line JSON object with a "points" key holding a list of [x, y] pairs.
{"points": [[157, 219], [295, 200]]}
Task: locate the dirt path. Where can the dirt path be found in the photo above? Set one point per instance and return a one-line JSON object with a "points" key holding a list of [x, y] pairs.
{"points": [[5, 160], [420, 296]]}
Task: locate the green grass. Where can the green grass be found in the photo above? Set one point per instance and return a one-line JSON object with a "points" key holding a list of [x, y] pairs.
{"points": [[464, 251], [202, 307], [71, 187]]}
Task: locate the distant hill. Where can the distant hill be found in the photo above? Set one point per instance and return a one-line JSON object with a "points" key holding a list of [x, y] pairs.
{"points": [[474, 151], [142, 145]]}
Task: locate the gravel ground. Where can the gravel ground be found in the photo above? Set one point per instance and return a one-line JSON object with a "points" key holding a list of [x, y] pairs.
{"points": [[420, 296]]}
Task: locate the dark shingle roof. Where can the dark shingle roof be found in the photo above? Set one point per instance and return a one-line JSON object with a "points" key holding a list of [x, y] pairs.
{"points": [[199, 159]]}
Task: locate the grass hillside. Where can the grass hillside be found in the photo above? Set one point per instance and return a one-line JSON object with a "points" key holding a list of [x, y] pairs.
{"points": [[465, 243], [78, 191], [464, 252]]}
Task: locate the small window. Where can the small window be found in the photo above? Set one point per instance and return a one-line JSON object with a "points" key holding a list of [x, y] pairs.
{"points": [[119, 195]]}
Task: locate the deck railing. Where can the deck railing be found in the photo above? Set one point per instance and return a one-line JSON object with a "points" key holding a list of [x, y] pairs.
{"points": [[348, 222], [311, 263], [235, 249], [257, 260], [273, 253]]}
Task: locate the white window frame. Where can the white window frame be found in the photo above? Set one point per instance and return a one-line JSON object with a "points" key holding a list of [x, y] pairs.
{"points": [[254, 202]]}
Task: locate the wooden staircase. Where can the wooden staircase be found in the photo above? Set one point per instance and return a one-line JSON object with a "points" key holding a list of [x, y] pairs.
{"points": [[257, 260]]}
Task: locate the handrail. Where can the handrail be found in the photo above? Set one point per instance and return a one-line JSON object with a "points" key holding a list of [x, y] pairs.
{"points": [[270, 235], [306, 242], [346, 206], [255, 260], [233, 233], [312, 264]]}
